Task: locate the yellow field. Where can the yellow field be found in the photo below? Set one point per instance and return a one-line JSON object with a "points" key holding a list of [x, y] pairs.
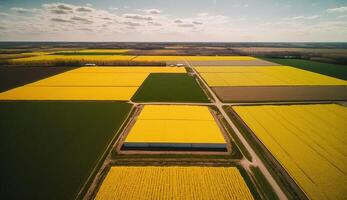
{"points": [[130, 69], [191, 58], [175, 124], [69, 58], [174, 183], [309, 141], [94, 79], [69, 93], [88, 83], [264, 76]]}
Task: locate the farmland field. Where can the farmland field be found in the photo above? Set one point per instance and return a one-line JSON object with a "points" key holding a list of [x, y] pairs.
{"points": [[264, 76], [271, 83], [309, 142], [334, 70], [170, 88], [175, 126], [48, 149], [174, 183], [87, 83], [11, 77]]}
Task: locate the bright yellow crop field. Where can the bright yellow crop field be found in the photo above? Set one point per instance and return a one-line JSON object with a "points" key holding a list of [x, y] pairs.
{"points": [[94, 79], [264, 76], [88, 83], [70, 58], [174, 183], [130, 69], [309, 141], [175, 124], [69, 93]]}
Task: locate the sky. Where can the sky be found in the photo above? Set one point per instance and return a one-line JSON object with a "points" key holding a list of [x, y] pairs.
{"points": [[174, 20]]}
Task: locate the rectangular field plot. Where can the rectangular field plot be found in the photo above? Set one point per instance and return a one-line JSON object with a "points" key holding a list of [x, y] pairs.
{"points": [[88, 83], [309, 142], [174, 183], [69, 93], [170, 88], [175, 127], [264, 76], [130, 69], [49, 149], [281, 93]]}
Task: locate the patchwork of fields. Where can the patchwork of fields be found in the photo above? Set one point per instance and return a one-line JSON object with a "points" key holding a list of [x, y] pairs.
{"points": [[174, 183], [309, 141], [176, 127], [61, 142]]}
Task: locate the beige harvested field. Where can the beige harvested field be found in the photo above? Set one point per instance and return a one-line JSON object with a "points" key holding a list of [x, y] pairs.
{"points": [[256, 62], [280, 93]]}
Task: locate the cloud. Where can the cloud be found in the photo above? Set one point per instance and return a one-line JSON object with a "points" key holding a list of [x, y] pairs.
{"points": [[64, 7], [84, 9], [81, 19], [138, 17], [129, 23], [178, 21], [197, 23], [21, 10], [85, 29], [3, 14], [154, 23], [186, 25], [341, 16], [297, 18], [61, 20], [337, 10], [152, 11], [58, 8], [113, 8]]}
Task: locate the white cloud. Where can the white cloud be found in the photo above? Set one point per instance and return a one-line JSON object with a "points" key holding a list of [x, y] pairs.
{"points": [[152, 11], [137, 17], [22, 10], [178, 21], [341, 16], [296, 18], [337, 10]]}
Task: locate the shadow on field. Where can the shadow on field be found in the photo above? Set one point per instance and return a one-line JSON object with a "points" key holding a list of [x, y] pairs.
{"points": [[14, 76]]}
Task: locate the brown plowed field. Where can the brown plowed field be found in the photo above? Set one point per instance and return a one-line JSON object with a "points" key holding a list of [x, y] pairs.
{"points": [[281, 93]]}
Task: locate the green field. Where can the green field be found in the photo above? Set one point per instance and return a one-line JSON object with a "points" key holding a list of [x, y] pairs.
{"points": [[48, 149], [337, 71], [170, 88]]}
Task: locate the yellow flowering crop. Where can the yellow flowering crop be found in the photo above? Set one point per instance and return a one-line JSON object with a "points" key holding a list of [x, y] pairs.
{"points": [[264, 76], [175, 124], [309, 141], [174, 183]]}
